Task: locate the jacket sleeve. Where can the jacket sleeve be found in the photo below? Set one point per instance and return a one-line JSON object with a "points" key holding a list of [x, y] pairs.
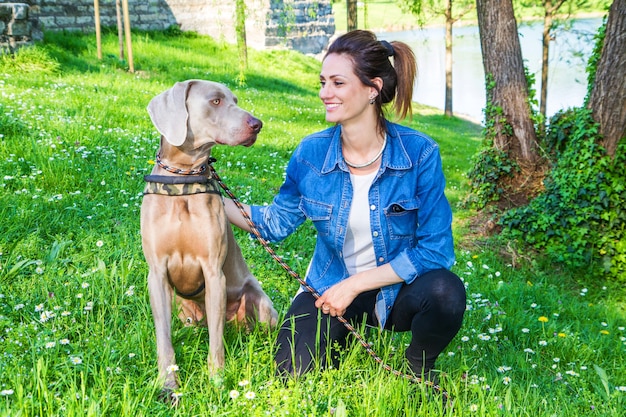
{"points": [[434, 248], [283, 216]]}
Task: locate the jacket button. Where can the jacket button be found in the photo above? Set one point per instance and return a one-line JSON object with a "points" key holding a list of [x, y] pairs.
{"points": [[373, 207], [381, 259], [375, 234]]}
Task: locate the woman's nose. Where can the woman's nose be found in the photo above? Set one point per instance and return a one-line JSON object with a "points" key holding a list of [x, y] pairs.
{"points": [[324, 92]]}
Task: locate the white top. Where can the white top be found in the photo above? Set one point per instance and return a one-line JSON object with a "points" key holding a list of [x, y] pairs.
{"points": [[358, 249]]}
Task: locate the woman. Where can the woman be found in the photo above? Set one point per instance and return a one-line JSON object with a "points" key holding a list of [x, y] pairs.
{"points": [[375, 193]]}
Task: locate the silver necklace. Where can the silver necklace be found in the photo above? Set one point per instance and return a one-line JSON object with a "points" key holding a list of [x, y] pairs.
{"points": [[371, 161]]}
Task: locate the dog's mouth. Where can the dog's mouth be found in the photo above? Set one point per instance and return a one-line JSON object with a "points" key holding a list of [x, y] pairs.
{"points": [[247, 142], [250, 141]]}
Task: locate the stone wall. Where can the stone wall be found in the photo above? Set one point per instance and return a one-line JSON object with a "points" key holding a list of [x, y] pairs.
{"points": [[15, 26], [303, 25], [78, 15]]}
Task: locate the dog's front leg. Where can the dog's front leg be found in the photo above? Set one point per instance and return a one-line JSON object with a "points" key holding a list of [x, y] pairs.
{"points": [[161, 303], [215, 301]]}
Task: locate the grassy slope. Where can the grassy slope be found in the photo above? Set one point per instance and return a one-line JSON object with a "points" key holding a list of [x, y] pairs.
{"points": [[78, 338]]}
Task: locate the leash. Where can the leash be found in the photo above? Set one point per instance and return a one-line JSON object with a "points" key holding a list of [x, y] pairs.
{"points": [[315, 294]]}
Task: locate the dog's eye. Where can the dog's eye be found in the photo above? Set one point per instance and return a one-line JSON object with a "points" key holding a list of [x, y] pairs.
{"points": [[216, 101]]}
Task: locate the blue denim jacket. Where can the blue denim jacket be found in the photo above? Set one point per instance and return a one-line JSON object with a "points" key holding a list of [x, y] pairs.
{"points": [[409, 214]]}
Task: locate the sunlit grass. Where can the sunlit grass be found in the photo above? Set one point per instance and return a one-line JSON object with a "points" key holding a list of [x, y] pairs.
{"points": [[77, 335]]}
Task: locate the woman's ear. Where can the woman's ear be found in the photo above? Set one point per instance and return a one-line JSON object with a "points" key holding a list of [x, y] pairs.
{"points": [[379, 83]]}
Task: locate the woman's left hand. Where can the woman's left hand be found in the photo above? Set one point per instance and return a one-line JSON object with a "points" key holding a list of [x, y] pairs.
{"points": [[337, 298]]}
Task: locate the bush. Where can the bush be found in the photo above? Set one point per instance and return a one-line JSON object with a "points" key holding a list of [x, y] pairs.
{"points": [[580, 218], [29, 59], [489, 167]]}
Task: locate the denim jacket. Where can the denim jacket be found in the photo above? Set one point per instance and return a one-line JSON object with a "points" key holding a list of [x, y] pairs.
{"points": [[410, 216]]}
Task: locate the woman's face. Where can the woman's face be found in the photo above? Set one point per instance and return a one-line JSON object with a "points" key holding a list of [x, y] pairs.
{"points": [[345, 97]]}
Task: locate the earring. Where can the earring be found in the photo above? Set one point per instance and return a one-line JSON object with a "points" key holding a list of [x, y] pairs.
{"points": [[372, 99]]}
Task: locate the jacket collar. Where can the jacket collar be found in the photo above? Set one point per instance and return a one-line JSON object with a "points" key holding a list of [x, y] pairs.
{"points": [[394, 156]]}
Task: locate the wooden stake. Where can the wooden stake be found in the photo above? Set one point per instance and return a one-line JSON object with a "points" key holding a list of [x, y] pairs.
{"points": [[129, 46], [120, 27], [96, 8]]}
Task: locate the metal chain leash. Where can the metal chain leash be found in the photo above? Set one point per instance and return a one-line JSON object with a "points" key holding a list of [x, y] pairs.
{"points": [[315, 294]]}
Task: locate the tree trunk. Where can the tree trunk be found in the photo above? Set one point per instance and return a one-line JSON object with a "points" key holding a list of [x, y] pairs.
{"points": [[547, 26], [550, 10], [352, 15], [366, 14], [502, 59], [449, 23], [608, 95]]}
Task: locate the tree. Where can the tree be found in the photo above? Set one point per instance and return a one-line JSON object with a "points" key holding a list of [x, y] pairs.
{"points": [[550, 9], [608, 95], [352, 14], [578, 218], [420, 8], [508, 109]]}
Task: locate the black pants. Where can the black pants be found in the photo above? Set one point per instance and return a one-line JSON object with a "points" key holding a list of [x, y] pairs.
{"points": [[431, 307]]}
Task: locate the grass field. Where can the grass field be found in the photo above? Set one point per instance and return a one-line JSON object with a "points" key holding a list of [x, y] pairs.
{"points": [[77, 336]]}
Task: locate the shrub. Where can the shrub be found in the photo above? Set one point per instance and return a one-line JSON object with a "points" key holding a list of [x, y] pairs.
{"points": [[580, 219], [29, 59]]}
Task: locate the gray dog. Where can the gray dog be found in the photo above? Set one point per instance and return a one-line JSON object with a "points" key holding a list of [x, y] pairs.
{"points": [[186, 237]]}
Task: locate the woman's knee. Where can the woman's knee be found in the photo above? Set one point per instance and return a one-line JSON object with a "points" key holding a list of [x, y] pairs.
{"points": [[446, 289]]}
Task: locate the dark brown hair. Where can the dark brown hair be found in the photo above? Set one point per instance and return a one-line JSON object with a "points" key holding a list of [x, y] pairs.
{"points": [[371, 59]]}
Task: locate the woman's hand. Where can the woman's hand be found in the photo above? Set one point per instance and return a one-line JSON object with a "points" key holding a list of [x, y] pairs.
{"points": [[337, 298]]}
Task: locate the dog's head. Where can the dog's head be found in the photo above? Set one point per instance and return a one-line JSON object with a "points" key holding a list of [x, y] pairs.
{"points": [[204, 113]]}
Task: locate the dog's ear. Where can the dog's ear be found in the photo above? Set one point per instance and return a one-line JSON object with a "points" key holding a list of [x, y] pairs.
{"points": [[168, 112]]}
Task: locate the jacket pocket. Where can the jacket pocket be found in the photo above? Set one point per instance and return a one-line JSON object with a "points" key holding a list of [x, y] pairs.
{"points": [[402, 219], [318, 213]]}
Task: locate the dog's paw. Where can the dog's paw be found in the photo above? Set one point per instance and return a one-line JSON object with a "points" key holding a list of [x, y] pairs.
{"points": [[170, 396]]}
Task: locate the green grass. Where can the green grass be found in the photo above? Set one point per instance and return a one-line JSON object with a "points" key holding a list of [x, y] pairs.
{"points": [[77, 336]]}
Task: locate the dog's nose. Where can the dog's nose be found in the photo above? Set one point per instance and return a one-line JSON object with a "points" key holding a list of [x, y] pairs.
{"points": [[255, 124]]}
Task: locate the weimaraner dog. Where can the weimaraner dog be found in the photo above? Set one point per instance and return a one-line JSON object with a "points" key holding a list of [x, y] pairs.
{"points": [[186, 237]]}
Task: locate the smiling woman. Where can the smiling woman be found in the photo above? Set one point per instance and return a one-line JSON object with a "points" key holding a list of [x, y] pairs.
{"points": [[384, 244]]}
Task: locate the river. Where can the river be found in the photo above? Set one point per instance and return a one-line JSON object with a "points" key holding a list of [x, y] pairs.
{"points": [[567, 79]]}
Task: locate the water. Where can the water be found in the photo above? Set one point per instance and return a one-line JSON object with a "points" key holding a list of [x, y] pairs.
{"points": [[567, 79]]}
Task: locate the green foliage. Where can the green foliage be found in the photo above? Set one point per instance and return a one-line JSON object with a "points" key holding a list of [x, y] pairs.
{"points": [[533, 102], [580, 219], [592, 64], [490, 166], [29, 59], [174, 30], [390, 15], [561, 127], [286, 17]]}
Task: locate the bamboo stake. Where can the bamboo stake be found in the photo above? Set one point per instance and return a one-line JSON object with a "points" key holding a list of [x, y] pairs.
{"points": [[96, 8], [129, 46]]}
